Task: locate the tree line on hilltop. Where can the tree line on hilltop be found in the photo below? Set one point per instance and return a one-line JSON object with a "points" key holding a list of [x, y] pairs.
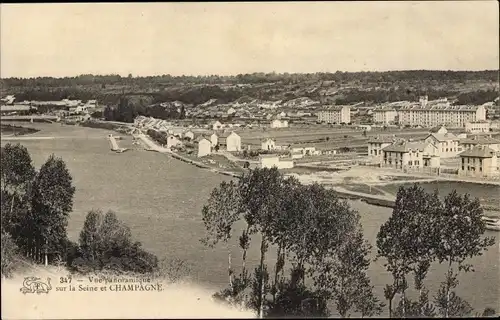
{"points": [[394, 86], [323, 258], [258, 77]]}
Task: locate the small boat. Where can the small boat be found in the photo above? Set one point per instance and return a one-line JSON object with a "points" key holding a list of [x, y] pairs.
{"points": [[492, 223]]}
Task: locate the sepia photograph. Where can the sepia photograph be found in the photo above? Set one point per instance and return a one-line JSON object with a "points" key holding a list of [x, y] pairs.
{"points": [[295, 159]]}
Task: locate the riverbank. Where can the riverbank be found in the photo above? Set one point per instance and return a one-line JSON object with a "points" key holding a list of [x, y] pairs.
{"points": [[153, 146], [8, 130], [161, 199]]}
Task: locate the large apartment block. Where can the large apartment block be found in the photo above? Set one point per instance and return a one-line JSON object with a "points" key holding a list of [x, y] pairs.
{"points": [[335, 114], [385, 115], [431, 113]]}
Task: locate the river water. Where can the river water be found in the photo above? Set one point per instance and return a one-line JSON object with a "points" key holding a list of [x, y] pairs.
{"points": [[161, 198]]}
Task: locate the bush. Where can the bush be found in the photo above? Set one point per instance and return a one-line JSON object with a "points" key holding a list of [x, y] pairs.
{"points": [[106, 244], [9, 255]]}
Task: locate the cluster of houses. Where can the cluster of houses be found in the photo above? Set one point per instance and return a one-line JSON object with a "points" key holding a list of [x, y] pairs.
{"points": [[276, 123], [248, 108], [228, 141], [175, 136], [64, 107], [477, 154]]}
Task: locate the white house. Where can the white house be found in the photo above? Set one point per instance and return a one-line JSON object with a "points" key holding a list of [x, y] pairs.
{"points": [[375, 146], [214, 138], [296, 155], [402, 155], [217, 125], [273, 160], [469, 143], [173, 141], [189, 134], [79, 109], [268, 144], [230, 141], [204, 147], [477, 127], [8, 99], [480, 161], [446, 144], [286, 163], [279, 124], [306, 151]]}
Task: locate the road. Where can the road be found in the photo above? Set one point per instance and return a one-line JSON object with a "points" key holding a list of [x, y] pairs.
{"points": [[232, 158]]}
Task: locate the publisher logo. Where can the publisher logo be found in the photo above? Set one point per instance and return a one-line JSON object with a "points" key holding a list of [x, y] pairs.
{"points": [[35, 285]]}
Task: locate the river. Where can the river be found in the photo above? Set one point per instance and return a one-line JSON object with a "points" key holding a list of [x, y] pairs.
{"points": [[160, 198]]}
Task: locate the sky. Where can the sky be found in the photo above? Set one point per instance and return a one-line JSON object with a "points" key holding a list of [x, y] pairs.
{"points": [[231, 38]]}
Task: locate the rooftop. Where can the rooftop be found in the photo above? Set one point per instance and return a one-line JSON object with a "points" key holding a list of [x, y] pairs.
{"points": [[381, 139], [16, 107], [444, 136], [436, 129], [478, 152], [406, 147], [441, 107], [480, 140]]}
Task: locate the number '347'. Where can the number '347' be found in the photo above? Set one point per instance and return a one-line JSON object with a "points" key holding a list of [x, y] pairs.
{"points": [[65, 279]]}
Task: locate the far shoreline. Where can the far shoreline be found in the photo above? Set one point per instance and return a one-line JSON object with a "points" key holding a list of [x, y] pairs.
{"points": [[372, 199]]}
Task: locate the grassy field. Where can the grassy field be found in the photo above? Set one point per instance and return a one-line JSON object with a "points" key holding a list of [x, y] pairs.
{"points": [[322, 136]]}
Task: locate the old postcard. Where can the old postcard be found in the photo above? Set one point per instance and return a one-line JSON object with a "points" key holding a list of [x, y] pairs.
{"points": [[250, 160]]}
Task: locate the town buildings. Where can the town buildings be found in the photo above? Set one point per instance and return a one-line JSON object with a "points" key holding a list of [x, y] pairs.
{"points": [[279, 124], [385, 115], [375, 146], [8, 100], [173, 141], [305, 151], [410, 155], [17, 109], [189, 134], [471, 142], [480, 161], [214, 138], [477, 127], [268, 144], [230, 141], [273, 160], [439, 130], [447, 144], [335, 115], [204, 147], [428, 114], [217, 125]]}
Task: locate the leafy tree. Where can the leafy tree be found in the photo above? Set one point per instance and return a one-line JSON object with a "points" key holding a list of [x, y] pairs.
{"points": [[344, 276], [52, 202], [219, 215], [460, 233], [406, 240], [296, 300], [9, 255], [106, 243], [260, 191], [17, 173]]}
